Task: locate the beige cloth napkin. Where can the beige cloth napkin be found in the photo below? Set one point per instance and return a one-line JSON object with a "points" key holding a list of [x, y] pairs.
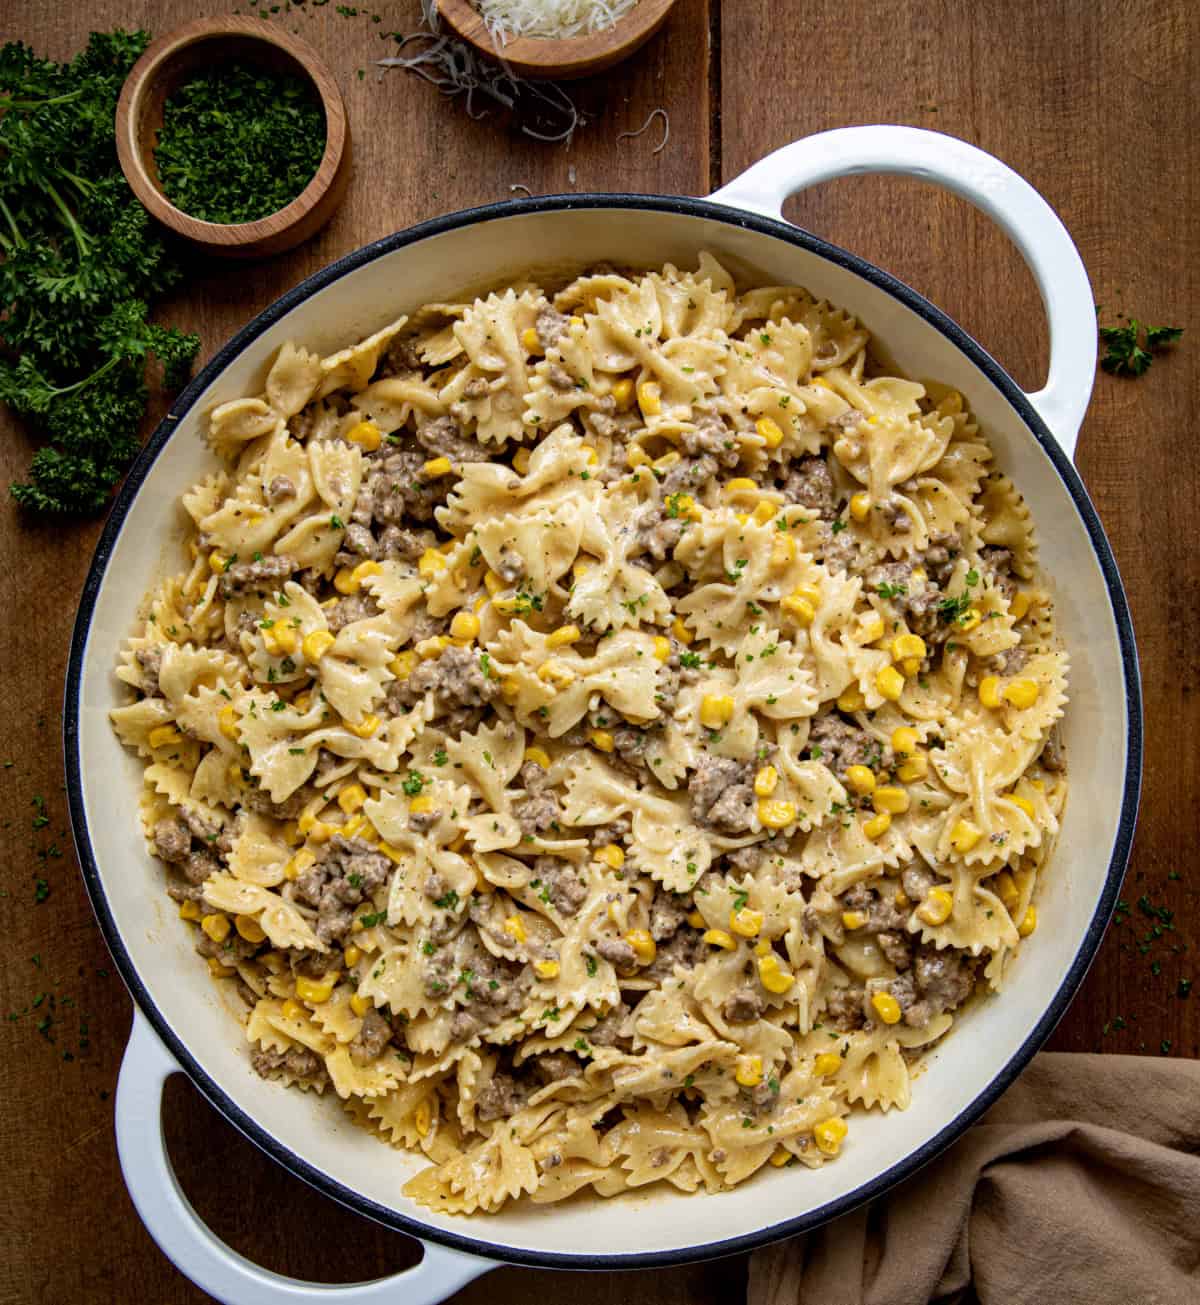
{"points": [[1082, 1184]]}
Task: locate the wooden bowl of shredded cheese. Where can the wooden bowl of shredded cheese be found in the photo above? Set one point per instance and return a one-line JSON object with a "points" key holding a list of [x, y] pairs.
{"points": [[560, 39]]}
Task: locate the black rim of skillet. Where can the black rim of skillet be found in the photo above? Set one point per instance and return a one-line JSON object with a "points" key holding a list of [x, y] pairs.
{"points": [[260, 1134]]}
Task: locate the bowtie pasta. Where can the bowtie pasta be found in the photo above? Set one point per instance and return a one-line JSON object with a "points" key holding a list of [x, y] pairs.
{"points": [[604, 736]]}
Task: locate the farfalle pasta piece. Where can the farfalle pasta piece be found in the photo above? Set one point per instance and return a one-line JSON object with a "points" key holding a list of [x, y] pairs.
{"points": [[280, 920]]}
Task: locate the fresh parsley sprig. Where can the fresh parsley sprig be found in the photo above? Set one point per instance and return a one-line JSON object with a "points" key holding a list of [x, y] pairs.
{"points": [[1125, 355], [79, 265]]}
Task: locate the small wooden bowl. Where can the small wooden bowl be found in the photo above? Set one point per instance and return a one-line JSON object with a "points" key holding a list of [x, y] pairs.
{"points": [[561, 60], [169, 61]]}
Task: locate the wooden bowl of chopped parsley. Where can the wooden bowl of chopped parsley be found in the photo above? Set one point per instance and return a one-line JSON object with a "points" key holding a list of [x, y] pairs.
{"points": [[234, 135]]}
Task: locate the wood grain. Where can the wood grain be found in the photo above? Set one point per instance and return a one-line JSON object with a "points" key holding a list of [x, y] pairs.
{"points": [[565, 58], [1093, 103]]}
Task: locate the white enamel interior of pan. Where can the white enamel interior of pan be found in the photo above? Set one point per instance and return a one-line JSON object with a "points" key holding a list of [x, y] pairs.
{"points": [[442, 267]]}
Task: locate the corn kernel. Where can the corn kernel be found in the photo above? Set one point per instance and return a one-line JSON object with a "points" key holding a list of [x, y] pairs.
{"points": [[989, 691], [190, 911], [360, 1005], [510, 688], [321, 831], [643, 945], [546, 969], [749, 1071], [853, 920], [772, 977], [637, 456], [911, 666], [423, 1118], [234, 773], [216, 926], [218, 563], [431, 562], [871, 628], [1006, 890], [1024, 803], [773, 814], [344, 581], [936, 907], [1029, 923], [564, 635], [861, 779], [514, 926], [539, 757], [353, 827], [878, 825], [316, 991], [164, 736], [828, 1062], [716, 709], [1021, 693], [292, 1010], [739, 485], [351, 798], [913, 768], [829, 1135], [780, 1157], [364, 728], [886, 1007], [695, 919], [351, 956], [860, 505], [969, 620], [851, 700], [529, 338], [403, 664], [556, 673], [718, 938], [890, 799], [680, 631], [622, 392], [1020, 605], [769, 431], [662, 647], [279, 640], [763, 512], [314, 646], [746, 923], [249, 928], [302, 861], [889, 683], [227, 719], [905, 739], [465, 625], [592, 456], [612, 855], [430, 649], [219, 971], [908, 645], [421, 806], [649, 395], [964, 836], [366, 435], [492, 582], [801, 606], [602, 740], [765, 781]]}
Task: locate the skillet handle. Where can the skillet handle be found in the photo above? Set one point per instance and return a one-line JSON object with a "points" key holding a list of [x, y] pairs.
{"points": [[205, 1259], [1025, 217]]}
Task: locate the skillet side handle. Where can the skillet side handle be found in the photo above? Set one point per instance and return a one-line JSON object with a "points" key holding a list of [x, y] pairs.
{"points": [[212, 1265], [1005, 196]]}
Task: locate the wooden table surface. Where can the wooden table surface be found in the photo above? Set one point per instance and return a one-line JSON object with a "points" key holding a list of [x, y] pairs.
{"points": [[1093, 103]]}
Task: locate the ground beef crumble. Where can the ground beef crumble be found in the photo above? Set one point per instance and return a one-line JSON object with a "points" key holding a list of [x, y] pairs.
{"points": [[722, 794], [346, 873]]}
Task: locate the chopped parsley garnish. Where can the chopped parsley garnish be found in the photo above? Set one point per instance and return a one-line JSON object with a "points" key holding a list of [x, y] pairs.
{"points": [[372, 918], [690, 659], [886, 590], [439, 757], [413, 783]]}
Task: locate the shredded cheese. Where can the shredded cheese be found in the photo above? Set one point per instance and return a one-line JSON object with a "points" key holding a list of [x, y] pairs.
{"points": [[550, 19], [543, 109]]}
